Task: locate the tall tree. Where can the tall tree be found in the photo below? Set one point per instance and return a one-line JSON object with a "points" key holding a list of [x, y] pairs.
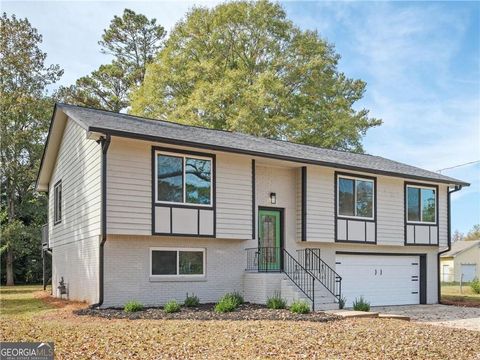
{"points": [[132, 40], [244, 66], [474, 233], [25, 110]]}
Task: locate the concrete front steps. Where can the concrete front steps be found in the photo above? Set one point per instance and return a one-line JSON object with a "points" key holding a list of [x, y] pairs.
{"points": [[323, 299]]}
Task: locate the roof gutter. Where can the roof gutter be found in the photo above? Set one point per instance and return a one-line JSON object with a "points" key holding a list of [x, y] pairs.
{"points": [[449, 234], [104, 143]]}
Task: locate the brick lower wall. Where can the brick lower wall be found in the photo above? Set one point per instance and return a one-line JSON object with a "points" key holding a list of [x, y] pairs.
{"points": [[127, 270]]}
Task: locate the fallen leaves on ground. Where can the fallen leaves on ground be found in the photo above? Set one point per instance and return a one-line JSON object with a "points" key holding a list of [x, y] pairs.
{"points": [[97, 338]]}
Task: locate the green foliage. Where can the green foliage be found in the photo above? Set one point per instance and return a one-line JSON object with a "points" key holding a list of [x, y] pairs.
{"points": [[276, 302], [360, 304], [24, 118], [475, 285], [300, 307], [133, 306], [133, 40], [191, 301], [243, 66], [341, 302], [171, 307], [229, 302], [226, 304]]}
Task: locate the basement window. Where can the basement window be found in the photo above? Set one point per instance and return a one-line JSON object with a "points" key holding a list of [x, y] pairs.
{"points": [[184, 262], [57, 201]]}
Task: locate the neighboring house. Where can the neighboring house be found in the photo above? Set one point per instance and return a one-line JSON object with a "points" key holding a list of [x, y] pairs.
{"points": [[151, 210], [462, 262]]}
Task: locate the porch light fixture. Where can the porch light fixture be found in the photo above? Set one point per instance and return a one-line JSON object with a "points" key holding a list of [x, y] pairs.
{"points": [[273, 198]]}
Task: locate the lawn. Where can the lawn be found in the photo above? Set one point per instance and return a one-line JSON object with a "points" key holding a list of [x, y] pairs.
{"points": [[28, 315], [451, 294]]}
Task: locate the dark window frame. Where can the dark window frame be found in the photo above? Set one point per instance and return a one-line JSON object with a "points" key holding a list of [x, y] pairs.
{"points": [[355, 177], [178, 250], [184, 154], [57, 202], [420, 187]]}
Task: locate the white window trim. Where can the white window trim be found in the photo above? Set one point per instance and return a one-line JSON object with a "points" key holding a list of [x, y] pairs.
{"points": [[183, 156], [354, 217], [178, 276], [57, 203], [421, 202]]}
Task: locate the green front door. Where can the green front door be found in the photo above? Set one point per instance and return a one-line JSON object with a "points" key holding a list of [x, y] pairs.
{"points": [[269, 240]]}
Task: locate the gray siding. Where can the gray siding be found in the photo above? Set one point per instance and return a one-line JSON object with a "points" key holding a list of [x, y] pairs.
{"points": [[75, 240], [129, 190], [320, 201]]}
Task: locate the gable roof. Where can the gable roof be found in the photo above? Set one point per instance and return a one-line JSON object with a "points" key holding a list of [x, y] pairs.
{"points": [[461, 246], [124, 125]]}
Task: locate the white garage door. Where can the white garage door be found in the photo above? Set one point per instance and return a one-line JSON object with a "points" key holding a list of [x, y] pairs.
{"points": [[468, 272], [380, 279]]}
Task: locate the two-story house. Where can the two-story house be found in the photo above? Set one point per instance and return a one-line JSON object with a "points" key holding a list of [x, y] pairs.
{"points": [[150, 210]]}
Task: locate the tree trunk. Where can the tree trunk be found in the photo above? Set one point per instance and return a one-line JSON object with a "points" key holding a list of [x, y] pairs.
{"points": [[10, 268]]}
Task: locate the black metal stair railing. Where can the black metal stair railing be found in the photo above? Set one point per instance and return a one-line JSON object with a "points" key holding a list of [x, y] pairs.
{"points": [[311, 261], [275, 259], [302, 278]]}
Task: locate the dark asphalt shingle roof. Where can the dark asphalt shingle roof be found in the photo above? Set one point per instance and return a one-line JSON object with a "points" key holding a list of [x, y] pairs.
{"points": [[164, 131]]}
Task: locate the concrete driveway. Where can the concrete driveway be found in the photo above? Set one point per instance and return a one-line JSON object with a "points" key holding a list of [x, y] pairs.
{"points": [[445, 315]]}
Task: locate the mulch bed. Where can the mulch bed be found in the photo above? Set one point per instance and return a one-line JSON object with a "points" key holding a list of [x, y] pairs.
{"points": [[206, 312]]}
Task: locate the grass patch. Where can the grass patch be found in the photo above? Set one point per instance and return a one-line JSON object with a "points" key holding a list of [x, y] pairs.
{"points": [[452, 294], [20, 301]]}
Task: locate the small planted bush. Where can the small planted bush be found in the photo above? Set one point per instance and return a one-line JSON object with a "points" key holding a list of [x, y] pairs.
{"points": [[276, 302], [171, 307], [226, 304], [229, 302], [475, 286], [341, 302], [300, 307], [133, 306], [191, 301], [360, 304]]}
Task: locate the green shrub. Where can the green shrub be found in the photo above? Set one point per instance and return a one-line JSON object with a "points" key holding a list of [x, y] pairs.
{"points": [[133, 306], [360, 304], [300, 307], [237, 298], [171, 307], [191, 301], [226, 304], [475, 285], [276, 302], [341, 302]]}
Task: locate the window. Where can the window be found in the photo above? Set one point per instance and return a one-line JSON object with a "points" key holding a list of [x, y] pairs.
{"points": [[184, 179], [421, 204], [355, 197], [179, 262], [57, 201]]}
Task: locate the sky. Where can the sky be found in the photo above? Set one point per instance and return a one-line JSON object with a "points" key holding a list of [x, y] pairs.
{"points": [[421, 62]]}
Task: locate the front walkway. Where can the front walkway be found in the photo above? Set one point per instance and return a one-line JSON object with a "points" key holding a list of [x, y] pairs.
{"points": [[445, 315]]}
